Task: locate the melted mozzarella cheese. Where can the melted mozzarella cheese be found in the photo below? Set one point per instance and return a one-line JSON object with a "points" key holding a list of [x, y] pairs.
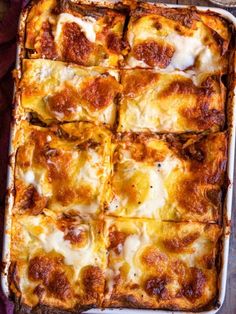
{"points": [[156, 197], [186, 49], [146, 113], [30, 177], [86, 24], [42, 72], [53, 240], [131, 246], [134, 63], [89, 172], [157, 194]]}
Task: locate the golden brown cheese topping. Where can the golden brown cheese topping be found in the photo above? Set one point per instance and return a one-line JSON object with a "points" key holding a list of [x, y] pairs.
{"points": [[177, 39], [64, 168], [170, 102], [144, 270], [58, 263], [120, 155], [168, 178], [76, 33], [59, 92]]}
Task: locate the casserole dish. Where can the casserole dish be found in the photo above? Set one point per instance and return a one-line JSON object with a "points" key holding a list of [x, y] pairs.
{"points": [[160, 141]]}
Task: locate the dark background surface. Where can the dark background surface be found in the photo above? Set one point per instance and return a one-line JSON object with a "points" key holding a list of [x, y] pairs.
{"points": [[229, 306]]}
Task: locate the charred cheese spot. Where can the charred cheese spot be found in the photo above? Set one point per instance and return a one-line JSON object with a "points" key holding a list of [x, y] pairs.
{"points": [[142, 152], [203, 116], [194, 288], [93, 279], [40, 291], [77, 236], [154, 53], [76, 47], [63, 104], [179, 244], [46, 45], [214, 196], [31, 201], [116, 239], [99, 92], [152, 257], [157, 287], [136, 83], [114, 43], [59, 286], [191, 198], [65, 194], [41, 268], [187, 18]]}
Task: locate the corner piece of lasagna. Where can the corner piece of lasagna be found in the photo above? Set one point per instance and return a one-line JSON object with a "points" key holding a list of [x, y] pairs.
{"points": [[57, 261], [78, 33], [160, 264], [177, 39]]}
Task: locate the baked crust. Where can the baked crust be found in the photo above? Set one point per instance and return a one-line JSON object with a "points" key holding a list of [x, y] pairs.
{"points": [[162, 151]]}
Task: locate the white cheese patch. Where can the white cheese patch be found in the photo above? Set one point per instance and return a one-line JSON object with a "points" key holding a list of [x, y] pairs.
{"points": [[134, 63], [200, 247], [42, 72], [149, 114], [156, 197], [29, 177], [157, 194], [37, 180], [86, 209], [131, 245], [108, 115], [187, 48], [66, 73], [86, 24], [77, 257], [49, 138], [89, 172]]}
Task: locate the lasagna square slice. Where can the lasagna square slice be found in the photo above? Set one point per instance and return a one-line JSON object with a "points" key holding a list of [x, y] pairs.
{"points": [[177, 39], [57, 261], [160, 264], [84, 34], [64, 168], [59, 92], [170, 102], [168, 178]]}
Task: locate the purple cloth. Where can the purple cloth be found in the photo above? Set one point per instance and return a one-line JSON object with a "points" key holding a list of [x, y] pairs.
{"points": [[8, 31]]}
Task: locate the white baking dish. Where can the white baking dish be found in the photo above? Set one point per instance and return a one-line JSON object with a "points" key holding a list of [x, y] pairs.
{"points": [[228, 199]]}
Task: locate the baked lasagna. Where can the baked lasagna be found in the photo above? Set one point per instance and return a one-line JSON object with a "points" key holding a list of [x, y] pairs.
{"points": [[59, 92], [159, 36], [160, 264], [69, 31], [119, 157], [168, 179], [171, 102], [64, 168], [58, 260]]}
